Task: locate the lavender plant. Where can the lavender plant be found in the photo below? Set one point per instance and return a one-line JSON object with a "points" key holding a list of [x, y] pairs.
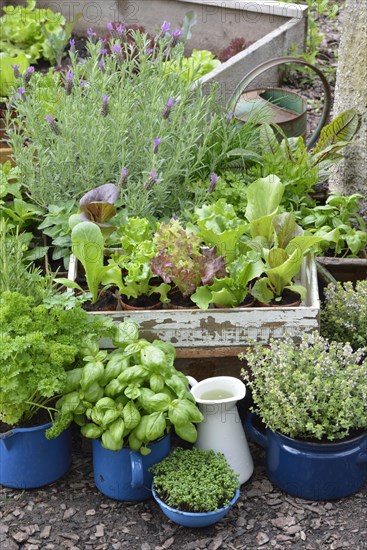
{"points": [[317, 390], [115, 113]]}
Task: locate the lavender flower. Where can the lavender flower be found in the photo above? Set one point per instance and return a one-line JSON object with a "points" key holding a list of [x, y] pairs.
{"points": [[21, 92], [83, 84], [101, 65], [124, 176], [167, 108], [69, 82], [157, 143], [103, 51], [104, 110], [91, 34], [148, 51], [110, 27], [72, 45], [230, 115], [176, 35], [28, 74], [213, 182], [53, 124], [16, 70], [165, 27], [153, 178], [120, 29], [118, 51]]}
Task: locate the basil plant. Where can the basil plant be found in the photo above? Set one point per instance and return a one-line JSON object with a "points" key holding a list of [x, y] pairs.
{"points": [[128, 397]]}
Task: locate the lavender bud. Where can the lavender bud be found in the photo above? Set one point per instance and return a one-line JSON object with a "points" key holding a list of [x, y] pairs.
{"points": [[124, 176], [120, 29], [213, 182], [110, 26], [118, 51], [69, 82], [83, 84], [176, 35], [230, 116], [21, 92], [103, 51], [153, 178], [101, 66], [148, 51], [165, 27], [167, 108], [91, 34], [72, 45], [157, 143], [53, 124], [104, 110], [16, 70], [28, 74]]}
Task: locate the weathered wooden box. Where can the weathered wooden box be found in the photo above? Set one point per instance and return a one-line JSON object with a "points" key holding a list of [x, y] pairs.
{"points": [[274, 28], [225, 332]]}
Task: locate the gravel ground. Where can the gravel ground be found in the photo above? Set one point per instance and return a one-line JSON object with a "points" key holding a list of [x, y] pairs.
{"points": [[72, 513]]}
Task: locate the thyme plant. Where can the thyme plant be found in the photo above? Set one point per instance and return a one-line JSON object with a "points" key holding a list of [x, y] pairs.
{"points": [[317, 390]]}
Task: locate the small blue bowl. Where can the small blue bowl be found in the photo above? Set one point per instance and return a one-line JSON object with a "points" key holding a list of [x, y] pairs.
{"points": [[194, 519]]}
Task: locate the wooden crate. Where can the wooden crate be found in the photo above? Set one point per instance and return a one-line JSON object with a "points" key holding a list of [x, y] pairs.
{"points": [[224, 332]]}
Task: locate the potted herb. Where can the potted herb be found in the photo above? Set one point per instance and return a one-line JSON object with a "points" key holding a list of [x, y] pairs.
{"points": [[194, 487], [40, 343], [344, 313], [127, 401], [312, 400]]}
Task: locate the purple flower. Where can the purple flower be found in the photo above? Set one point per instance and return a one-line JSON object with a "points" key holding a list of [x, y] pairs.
{"points": [[90, 33], [103, 51], [213, 182], [165, 27], [110, 26], [83, 84], [153, 178], [21, 92], [72, 45], [53, 124], [230, 115], [117, 48], [120, 29], [28, 74], [16, 70], [176, 35], [69, 82], [167, 108], [104, 110], [157, 143], [149, 51], [101, 65], [124, 176]]}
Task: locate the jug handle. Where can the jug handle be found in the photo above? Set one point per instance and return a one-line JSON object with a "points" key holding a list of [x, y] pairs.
{"points": [[4, 437], [257, 71], [362, 458], [137, 472], [192, 381], [253, 433]]}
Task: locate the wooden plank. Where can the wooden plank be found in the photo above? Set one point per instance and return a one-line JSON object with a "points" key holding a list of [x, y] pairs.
{"points": [[224, 332]]}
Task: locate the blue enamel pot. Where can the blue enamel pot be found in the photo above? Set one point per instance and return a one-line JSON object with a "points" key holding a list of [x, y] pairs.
{"points": [[194, 519], [313, 471], [28, 460], [124, 474]]}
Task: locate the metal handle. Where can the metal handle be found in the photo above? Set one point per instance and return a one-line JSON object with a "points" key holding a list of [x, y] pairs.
{"points": [[257, 71], [137, 470]]}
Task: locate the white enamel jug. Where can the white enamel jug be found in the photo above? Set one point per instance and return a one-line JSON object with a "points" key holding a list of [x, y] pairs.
{"points": [[221, 429]]}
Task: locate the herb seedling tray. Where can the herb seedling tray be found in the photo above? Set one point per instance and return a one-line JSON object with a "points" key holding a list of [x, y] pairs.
{"points": [[224, 332]]}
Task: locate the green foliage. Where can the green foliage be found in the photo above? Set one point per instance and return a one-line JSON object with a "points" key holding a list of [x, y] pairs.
{"points": [[339, 223], [131, 396], [197, 65], [78, 148], [9, 187], [7, 76], [316, 389], [344, 313], [35, 33], [195, 480], [56, 226], [38, 345]]}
